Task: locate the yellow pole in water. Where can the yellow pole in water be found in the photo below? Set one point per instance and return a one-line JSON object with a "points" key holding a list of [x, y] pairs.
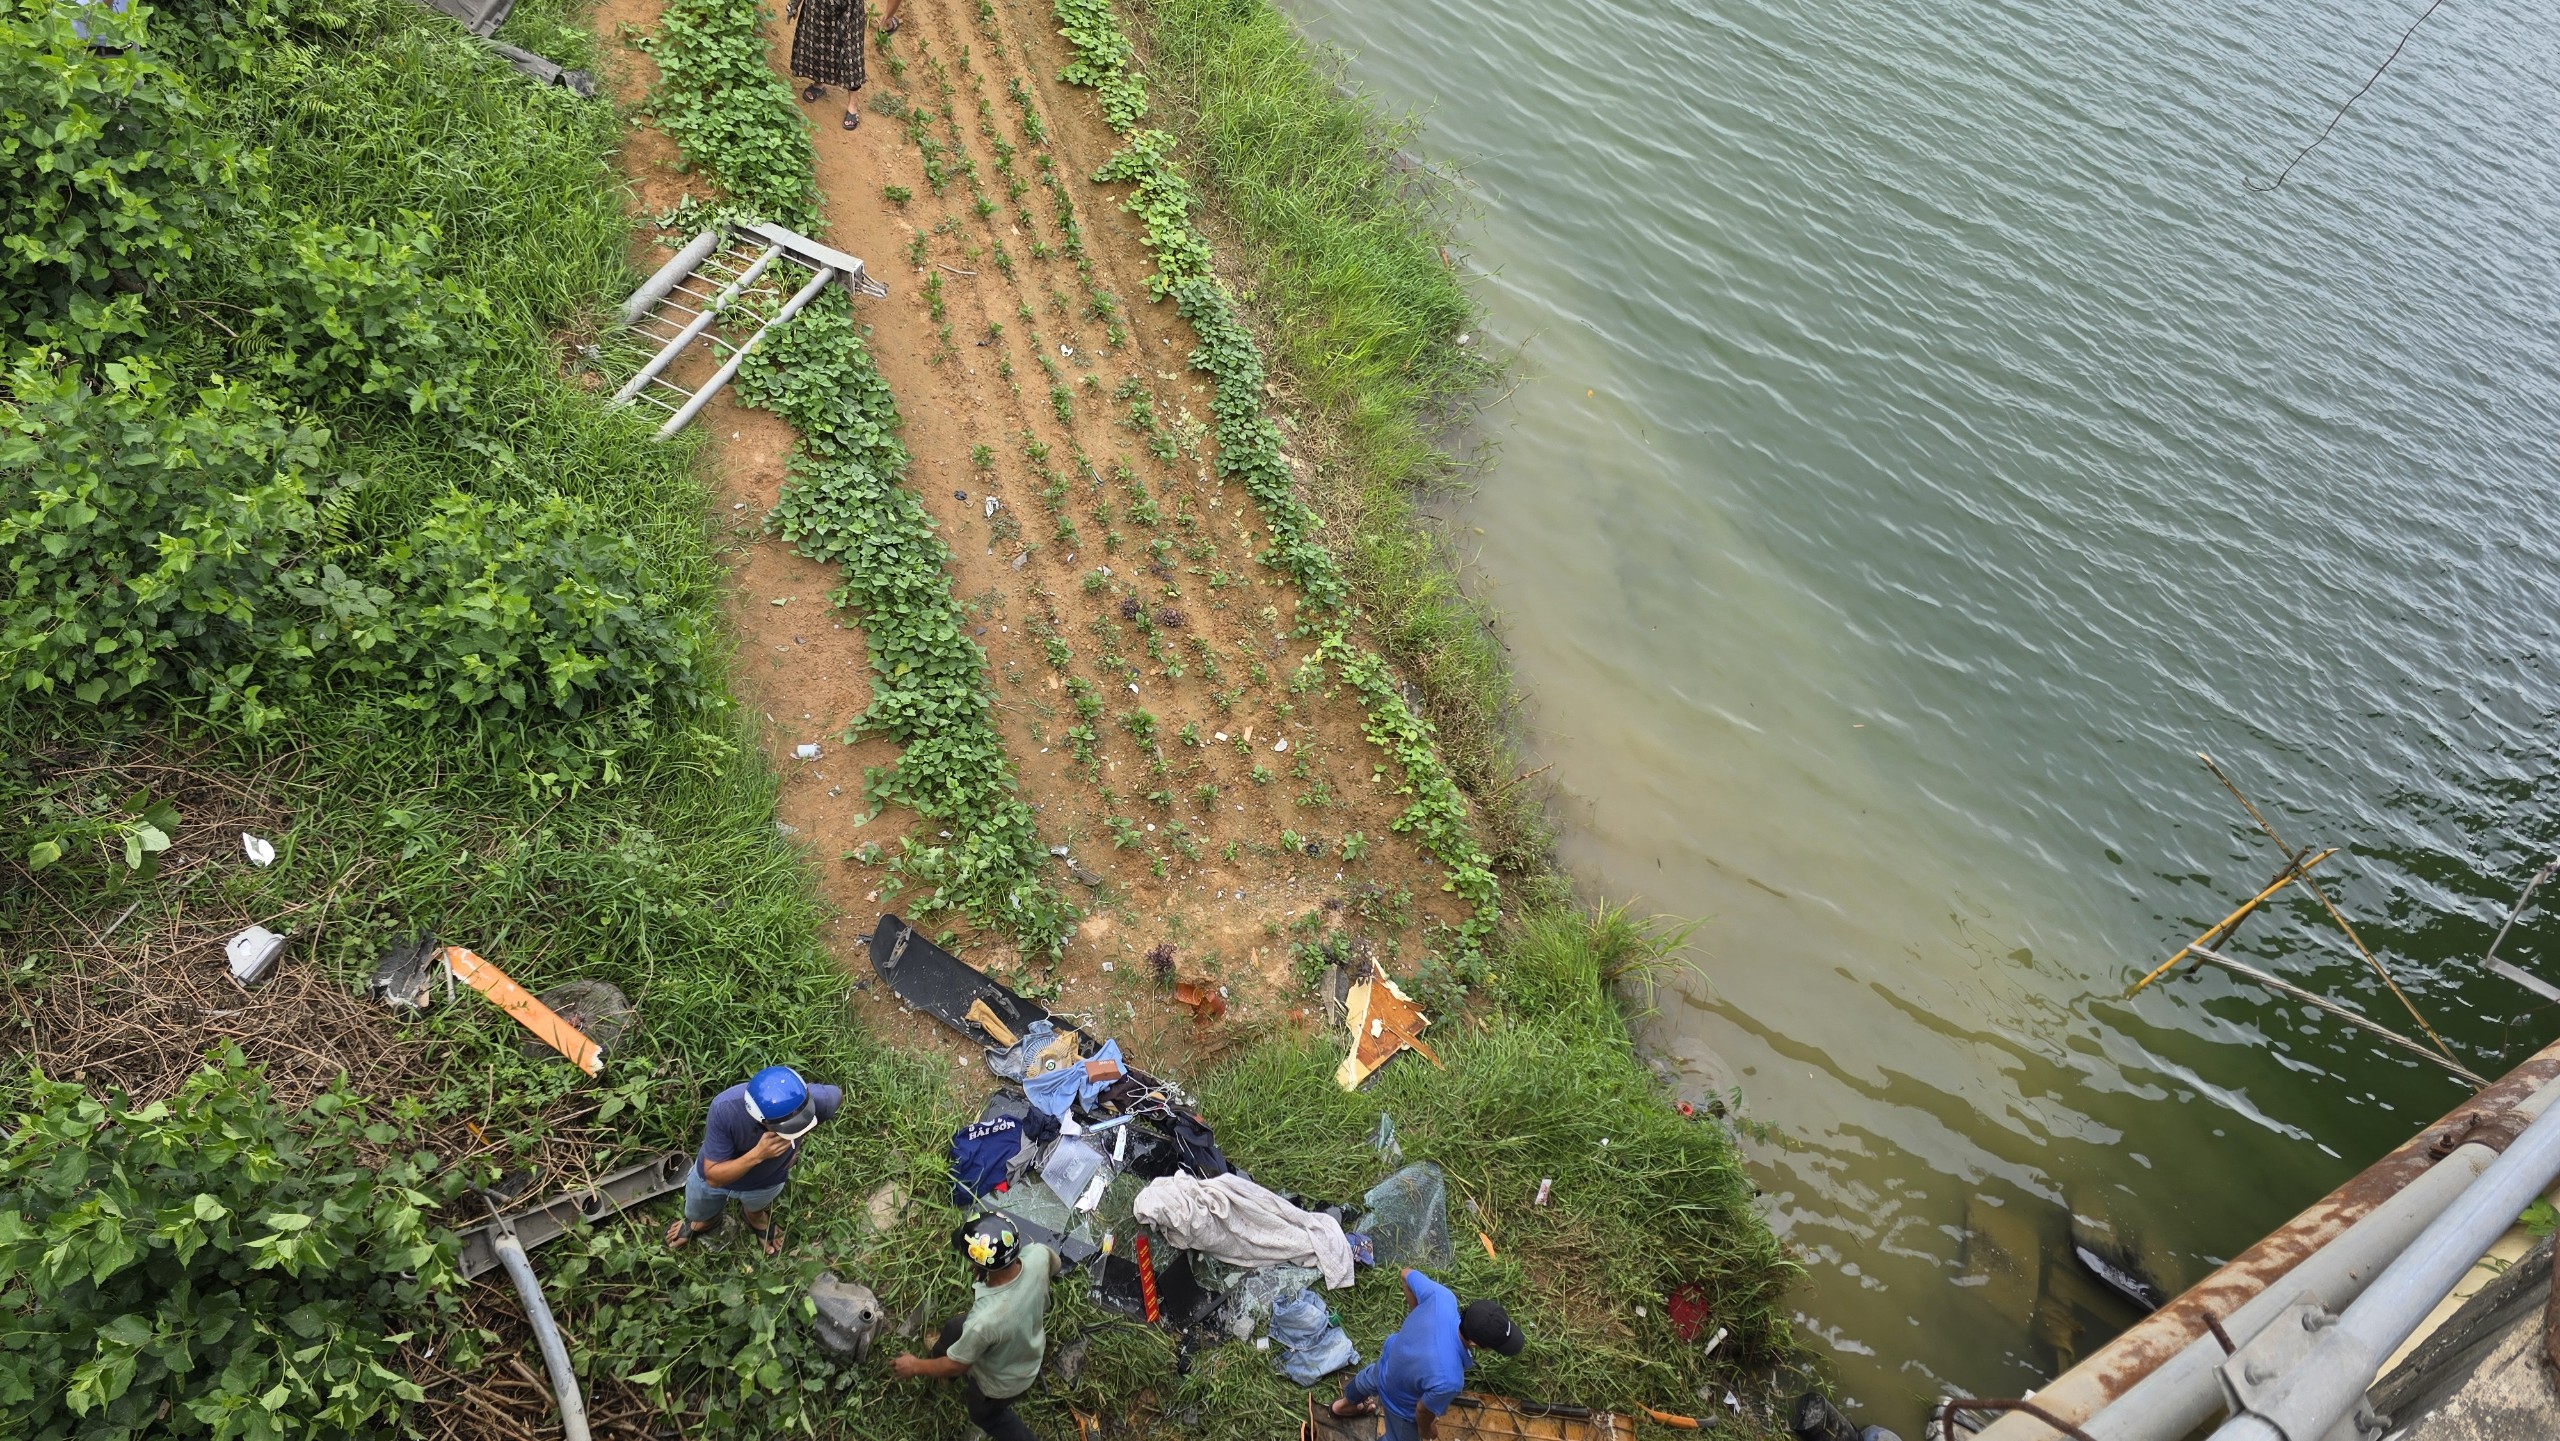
{"points": [[2292, 872], [2334, 913]]}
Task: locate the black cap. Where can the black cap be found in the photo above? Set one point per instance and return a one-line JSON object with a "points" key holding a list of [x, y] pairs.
{"points": [[1486, 1324]]}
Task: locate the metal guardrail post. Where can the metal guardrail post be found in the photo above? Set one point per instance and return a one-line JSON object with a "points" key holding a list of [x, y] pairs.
{"points": [[738, 357], [2177, 1395], [2308, 1399]]}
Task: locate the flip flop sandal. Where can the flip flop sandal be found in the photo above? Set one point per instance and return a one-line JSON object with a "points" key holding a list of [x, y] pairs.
{"points": [[770, 1237], [813, 92], [684, 1233], [853, 120]]}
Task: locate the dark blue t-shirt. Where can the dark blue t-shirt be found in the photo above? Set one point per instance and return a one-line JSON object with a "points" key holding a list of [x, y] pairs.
{"points": [[1424, 1362], [731, 1131]]}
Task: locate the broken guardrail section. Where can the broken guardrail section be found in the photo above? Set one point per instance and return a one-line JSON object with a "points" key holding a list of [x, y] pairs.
{"points": [[696, 292]]}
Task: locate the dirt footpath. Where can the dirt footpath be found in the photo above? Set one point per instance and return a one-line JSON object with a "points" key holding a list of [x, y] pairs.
{"points": [[1222, 813]]}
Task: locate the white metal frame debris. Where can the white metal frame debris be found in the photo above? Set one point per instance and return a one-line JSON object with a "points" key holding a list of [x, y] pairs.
{"points": [[732, 258]]}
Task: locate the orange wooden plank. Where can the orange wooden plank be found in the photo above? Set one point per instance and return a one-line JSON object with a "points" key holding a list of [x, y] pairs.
{"points": [[530, 1013]]}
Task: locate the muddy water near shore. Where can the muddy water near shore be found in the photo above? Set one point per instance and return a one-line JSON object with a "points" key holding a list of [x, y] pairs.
{"points": [[1928, 441]]}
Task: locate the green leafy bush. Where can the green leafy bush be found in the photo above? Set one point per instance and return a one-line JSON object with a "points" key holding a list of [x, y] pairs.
{"points": [[109, 180], [511, 608], [82, 825], [210, 1265], [732, 1336], [353, 311], [1102, 61], [1163, 201], [142, 527], [153, 537]]}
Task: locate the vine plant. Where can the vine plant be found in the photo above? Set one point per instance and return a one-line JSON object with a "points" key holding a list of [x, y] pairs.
{"points": [[1249, 451], [719, 100], [843, 505]]}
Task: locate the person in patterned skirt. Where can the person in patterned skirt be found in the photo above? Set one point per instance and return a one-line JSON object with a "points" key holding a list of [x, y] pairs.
{"points": [[826, 47]]}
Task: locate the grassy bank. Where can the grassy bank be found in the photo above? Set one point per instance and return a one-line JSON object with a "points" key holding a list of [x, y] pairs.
{"points": [[387, 584]]}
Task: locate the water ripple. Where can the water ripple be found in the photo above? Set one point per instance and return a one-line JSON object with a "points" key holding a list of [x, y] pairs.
{"points": [[1928, 444]]}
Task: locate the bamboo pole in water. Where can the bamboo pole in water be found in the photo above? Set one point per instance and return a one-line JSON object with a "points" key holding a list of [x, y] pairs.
{"points": [[2219, 930], [2310, 998]]}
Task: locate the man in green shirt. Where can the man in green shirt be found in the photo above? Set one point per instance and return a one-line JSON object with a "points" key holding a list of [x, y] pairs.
{"points": [[999, 1344]]}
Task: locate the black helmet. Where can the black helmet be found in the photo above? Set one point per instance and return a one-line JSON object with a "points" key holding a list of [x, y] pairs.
{"points": [[989, 1242]]}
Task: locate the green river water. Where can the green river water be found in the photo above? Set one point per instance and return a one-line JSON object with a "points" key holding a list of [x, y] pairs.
{"points": [[1926, 444]]}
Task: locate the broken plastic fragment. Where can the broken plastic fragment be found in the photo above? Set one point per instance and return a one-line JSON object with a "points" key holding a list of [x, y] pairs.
{"points": [[252, 954], [262, 852]]}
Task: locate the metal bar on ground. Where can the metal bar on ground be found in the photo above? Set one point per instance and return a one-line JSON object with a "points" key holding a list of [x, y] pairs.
{"points": [[2323, 1003], [669, 275], [711, 387], [2292, 872], [822, 257], [549, 1220], [700, 324]]}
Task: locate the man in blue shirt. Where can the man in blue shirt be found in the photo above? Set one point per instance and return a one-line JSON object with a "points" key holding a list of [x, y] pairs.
{"points": [[1423, 1366], [749, 1143]]}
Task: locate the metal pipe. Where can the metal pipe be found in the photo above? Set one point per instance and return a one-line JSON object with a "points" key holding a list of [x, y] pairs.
{"points": [[2324, 1387], [711, 387], [2184, 1392], [669, 275], [700, 324], [555, 1353]]}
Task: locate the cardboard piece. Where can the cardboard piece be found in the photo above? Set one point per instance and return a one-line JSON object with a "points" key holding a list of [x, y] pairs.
{"points": [[985, 1015], [1383, 1020]]}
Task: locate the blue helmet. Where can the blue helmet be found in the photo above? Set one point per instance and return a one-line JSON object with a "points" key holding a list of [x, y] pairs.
{"points": [[779, 1100]]}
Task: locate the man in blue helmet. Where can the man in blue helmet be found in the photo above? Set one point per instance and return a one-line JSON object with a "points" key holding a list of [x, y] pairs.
{"points": [[749, 1143]]}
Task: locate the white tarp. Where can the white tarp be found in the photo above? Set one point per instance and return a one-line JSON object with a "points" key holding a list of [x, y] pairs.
{"points": [[1243, 1225]]}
